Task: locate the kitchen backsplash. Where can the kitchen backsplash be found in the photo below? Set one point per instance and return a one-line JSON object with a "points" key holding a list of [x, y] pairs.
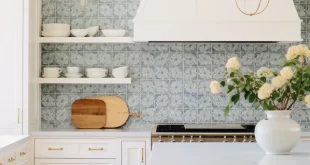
{"points": [[170, 81]]}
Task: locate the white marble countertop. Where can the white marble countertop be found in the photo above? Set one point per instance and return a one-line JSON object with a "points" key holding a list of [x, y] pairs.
{"points": [[91, 133], [225, 154], [9, 141]]}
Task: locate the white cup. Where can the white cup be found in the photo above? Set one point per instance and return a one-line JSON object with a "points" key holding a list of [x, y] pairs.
{"points": [[73, 70], [120, 72], [52, 71]]}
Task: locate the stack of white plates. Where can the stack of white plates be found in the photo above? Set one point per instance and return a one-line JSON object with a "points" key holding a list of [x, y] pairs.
{"points": [[56, 30]]}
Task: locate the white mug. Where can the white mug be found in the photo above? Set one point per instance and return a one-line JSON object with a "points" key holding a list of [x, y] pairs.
{"points": [[52, 71], [73, 70]]}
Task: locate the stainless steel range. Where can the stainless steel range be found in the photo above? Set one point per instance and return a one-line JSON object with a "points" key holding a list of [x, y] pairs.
{"points": [[203, 133]]}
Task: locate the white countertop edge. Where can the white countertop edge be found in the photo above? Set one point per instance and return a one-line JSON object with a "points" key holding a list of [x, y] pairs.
{"points": [[90, 133], [13, 142]]}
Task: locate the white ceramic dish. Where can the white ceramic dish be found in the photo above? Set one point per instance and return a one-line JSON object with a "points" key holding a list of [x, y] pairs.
{"points": [[50, 76], [88, 70], [121, 72], [74, 75], [56, 33], [73, 70], [96, 75], [92, 31], [114, 32], [56, 27], [79, 32]]}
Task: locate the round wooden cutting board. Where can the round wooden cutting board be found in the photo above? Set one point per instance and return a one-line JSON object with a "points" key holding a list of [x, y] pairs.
{"points": [[87, 113], [117, 111]]}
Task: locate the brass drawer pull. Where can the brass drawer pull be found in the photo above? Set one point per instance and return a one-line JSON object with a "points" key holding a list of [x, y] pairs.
{"points": [[11, 159], [142, 159], [59, 149], [22, 153], [95, 149]]}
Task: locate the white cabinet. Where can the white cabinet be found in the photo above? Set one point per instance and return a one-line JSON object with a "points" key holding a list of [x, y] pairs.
{"points": [[75, 162], [11, 63], [18, 154], [133, 153]]}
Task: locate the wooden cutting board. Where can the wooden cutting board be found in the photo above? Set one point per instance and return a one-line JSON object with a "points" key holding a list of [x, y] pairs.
{"points": [[87, 113], [117, 111]]}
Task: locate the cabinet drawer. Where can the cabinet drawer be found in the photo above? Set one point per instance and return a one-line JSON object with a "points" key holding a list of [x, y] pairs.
{"points": [[10, 158], [75, 162], [22, 153], [75, 148]]}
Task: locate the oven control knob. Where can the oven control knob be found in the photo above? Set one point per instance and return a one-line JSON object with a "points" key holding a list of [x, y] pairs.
{"points": [[192, 139], [160, 139], [245, 139], [172, 139], [200, 140], [251, 139], [225, 139], [235, 139], [183, 139]]}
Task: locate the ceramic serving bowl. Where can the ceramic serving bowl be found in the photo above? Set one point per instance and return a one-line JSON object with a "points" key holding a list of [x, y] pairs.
{"points": [[114, 32], [92, 31], [96, 72], [56, 30], [120, 72], [79, 32]]}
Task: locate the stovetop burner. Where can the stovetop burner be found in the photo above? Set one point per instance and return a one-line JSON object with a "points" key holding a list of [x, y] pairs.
{"points": [[204, 128]]}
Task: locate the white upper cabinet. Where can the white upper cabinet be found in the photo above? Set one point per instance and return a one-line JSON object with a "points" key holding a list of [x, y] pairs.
{"points": [[11, 63], [133, 153]]}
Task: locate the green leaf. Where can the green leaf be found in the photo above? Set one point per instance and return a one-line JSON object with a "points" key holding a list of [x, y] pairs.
{"points": [[230, 88], [236, 81], [235, 98], [223, 83], [226, 111], [294, 96], [246, 94], [295, 87], [290, 63], [308, 69], [232, 74], [263, 79], [307, 88], [252, 97]]}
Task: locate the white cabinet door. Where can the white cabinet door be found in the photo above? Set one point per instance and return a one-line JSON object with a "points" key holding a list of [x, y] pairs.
{"points": [[75, 162], [11, 58], [133, 153]]}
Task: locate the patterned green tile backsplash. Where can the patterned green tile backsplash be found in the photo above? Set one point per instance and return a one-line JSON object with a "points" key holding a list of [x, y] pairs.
{"points": [[170, 80]]}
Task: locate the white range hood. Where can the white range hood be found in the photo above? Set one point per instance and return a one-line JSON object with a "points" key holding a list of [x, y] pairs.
{"points": [[216, 21]]}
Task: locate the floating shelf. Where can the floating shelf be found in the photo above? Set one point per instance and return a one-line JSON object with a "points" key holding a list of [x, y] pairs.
{"points": [[84, 80], [85, 40]]}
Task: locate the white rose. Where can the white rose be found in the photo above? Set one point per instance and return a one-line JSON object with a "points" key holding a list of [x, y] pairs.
{"points": [[307, 99], [292, 53], [307, 53], [278, 81], [264, 72], [233, 64], [287, 72], [265, 91], [215, 87], [302, 49]]}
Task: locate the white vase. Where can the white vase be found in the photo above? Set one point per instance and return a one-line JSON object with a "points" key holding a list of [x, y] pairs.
{"points": [[278, 134]]}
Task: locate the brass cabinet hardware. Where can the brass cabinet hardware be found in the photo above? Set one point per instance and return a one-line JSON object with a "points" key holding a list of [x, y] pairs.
{"points": [[11, 159], [59, 149], [22, 153], [142, 158], [95, 149]]}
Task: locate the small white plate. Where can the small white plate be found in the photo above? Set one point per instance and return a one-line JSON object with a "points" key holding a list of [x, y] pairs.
{"points": [[74, 75], [50, 76]]}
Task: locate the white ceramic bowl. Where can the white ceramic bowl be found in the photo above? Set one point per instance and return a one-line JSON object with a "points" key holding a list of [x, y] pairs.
{"points": [[51, 27], [92, 31], [121, 72], [93, 70], [114, 32], [74, 75], [79, 32], [96, 75], [56, 33]]}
